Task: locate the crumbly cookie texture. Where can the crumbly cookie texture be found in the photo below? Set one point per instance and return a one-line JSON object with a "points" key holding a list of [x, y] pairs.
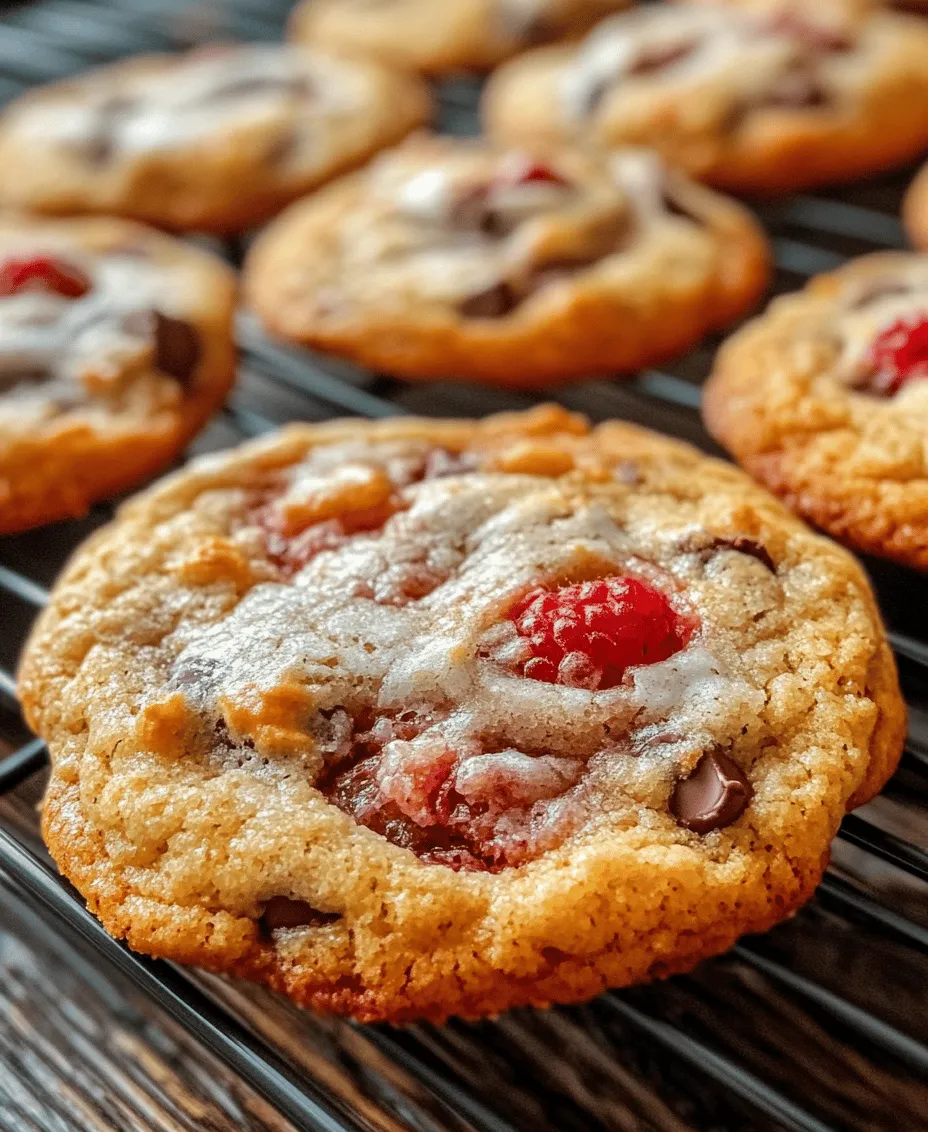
{"points": [[115, 349], [825, 399], [441, 39], [916, 209], [451, 258], [762, 98], [418, 718], [216, 140]]}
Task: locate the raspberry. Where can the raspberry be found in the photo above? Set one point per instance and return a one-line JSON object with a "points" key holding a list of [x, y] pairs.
{"points": [[42, 273], [586, 635], [898, 355], [522, 170]]}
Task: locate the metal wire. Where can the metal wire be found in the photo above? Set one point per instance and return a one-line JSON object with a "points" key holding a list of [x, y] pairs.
{"points": [[59, 37]]}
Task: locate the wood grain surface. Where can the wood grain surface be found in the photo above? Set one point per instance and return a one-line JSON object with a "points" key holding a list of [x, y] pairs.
{"points": [[82, 1049]]}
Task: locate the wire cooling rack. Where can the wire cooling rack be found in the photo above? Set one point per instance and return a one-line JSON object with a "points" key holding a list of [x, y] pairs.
{"points": [[819, 1026]]}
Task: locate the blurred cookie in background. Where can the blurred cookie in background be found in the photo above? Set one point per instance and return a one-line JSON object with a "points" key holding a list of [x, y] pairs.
{"points": [[758, 98], [215, 140], [516, 266], [916, 209], [446, 37], [824, 399], [115, 349]]}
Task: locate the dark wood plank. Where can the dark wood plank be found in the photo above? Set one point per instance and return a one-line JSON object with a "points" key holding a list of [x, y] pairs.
{"points": [[81, 1049]]}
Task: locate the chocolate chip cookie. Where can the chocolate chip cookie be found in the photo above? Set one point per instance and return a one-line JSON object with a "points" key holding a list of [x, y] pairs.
{"points": [[825, 399], [451, 258], [442, 717], [216, 140], [766, 98], [441, 39], [115, 349], [916, 209]]}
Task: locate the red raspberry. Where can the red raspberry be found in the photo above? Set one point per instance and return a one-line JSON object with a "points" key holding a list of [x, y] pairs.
{"points": [[899, 354], [587, 635], [42, 273], [522, 170]]}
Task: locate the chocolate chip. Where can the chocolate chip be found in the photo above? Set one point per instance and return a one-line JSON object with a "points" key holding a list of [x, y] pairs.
{"points": [[716, 794], [744, 545], [674, 207], [178, 345], [658, 58], [493, 302], [282, 912]]}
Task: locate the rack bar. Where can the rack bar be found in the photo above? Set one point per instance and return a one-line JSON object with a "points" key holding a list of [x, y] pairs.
{"points": [[887, 1037], [219, 1031], [720, 1068]]}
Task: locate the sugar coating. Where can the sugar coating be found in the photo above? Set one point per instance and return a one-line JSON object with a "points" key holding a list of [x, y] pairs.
{"points": [[194, 702], [789, 398]]}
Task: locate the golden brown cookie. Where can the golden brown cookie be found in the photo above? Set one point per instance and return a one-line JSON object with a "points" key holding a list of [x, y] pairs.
{"points": [[447, 37], [217, 140], [115, 349], [451, 258], [765, 98], [825, 399], [418, 718], [916, 209]]}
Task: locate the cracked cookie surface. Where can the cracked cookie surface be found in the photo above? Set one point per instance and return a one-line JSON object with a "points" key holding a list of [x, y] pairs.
{"points": [[449, 258], [765, 98], [215, 140], [446, 38], [824, 398], [115, 349], [418, 718]]}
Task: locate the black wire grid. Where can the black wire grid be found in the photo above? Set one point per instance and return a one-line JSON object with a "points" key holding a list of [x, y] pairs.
{"points": [[819, 1026]]}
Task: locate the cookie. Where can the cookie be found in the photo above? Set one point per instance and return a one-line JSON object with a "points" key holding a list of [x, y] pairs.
{"points": [[441, 39], [216, 140], [115, 349], [416, 718], [456, 258], [823, 399], [916, 209], [762, 99]]}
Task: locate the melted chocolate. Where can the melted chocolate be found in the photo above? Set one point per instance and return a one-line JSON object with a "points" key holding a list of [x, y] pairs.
{"points": [[716, 794], [281, 912], [178, 345], [495, 301], [744, 545]]}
